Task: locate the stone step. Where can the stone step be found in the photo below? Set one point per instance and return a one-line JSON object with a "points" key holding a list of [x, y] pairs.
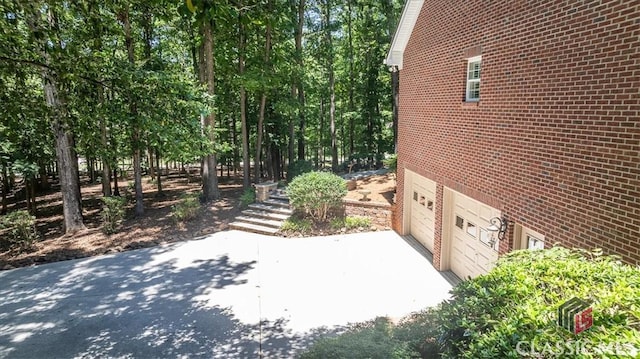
{"points": [[270, 208], [254, 228], [276, 202], [279, 197], [260, 221], [265, 214]]}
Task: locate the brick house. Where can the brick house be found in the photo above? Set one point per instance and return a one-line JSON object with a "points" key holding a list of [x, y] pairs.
{"points": [[519, 112]]}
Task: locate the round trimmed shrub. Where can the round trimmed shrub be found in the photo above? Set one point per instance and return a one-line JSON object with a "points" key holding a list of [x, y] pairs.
{"points": [[317, 193]]}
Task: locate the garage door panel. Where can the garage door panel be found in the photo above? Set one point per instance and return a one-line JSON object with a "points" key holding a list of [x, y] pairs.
{"points": [[422, 217], [470, 256]]}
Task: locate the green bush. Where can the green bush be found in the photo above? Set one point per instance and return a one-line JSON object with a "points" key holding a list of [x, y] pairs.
{"points": [[516, 305], [369, 340], [350, 222], [297, 168], [511, 312], [187, 209], [317, 193], [113, 210], [247, 197], [20, 229], [294, 224]]}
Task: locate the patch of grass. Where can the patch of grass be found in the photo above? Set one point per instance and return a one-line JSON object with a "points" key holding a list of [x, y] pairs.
{"points": [[294, 224], [350, 222]]}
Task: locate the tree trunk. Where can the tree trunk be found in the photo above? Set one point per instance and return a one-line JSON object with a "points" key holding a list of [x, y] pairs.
{"points": [[44, 178], [301, 99], [352, 127], [65, 153], [116, 189], [209, 174], [332, 92], [133, 108], [263, 98], [5, 188], [158, 174], [246, 170]]}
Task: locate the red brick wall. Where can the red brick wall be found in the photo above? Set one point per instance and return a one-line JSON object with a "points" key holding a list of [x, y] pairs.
{"points": [[555, 140]]}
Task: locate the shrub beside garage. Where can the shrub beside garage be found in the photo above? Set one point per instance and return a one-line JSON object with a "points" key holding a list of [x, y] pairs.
{"points": [[512, 312]]}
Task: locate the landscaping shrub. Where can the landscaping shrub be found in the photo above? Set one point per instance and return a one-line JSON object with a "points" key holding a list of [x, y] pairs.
{"points": [[297, 168], [247, 197], [113, 210], [515, 305], [187, 209], [511, 312], [294, 224], [20, 229], [350, 222], [370, 340], [317, 193]]}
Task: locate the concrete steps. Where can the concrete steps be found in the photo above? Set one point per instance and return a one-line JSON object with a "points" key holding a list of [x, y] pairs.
{"points": [[264, 217]]}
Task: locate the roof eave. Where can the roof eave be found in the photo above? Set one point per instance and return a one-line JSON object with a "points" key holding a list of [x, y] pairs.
{"points": [[408, 20]]}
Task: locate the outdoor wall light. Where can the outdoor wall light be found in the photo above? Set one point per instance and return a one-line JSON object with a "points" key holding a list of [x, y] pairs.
{"points": [[499, 226]]}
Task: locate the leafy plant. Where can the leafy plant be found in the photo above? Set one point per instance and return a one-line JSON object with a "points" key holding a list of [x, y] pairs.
{"points": [[350, 222], [187, 209], [247, 197], [113, 210], [368, 340], [20, 229], [317, 193], [517, 302], [297, 168], [294, 224]]}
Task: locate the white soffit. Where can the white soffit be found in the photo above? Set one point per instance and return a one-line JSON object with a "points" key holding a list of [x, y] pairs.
{"points": [[403, 32]]}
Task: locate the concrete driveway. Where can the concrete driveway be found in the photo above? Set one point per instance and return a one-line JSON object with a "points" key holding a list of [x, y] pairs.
{"points": [[229, 295]]}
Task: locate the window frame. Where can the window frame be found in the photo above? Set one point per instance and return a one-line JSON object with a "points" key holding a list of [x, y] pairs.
{"points": [[469, 81]]}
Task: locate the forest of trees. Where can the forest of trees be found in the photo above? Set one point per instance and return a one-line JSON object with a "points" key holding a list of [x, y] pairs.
{"points": [[244, 84]]}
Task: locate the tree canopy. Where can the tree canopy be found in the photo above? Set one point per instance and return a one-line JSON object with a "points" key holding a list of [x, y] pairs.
{"points": [[125, 86]]}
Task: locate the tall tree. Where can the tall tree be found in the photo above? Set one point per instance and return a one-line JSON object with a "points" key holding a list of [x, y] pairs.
{"points": [[60, 117], [263, 96], [133, 108], [246, 175], [209, 175]]}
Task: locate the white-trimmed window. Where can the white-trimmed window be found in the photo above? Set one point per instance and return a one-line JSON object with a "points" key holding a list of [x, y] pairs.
{"points": [[473, 79]]}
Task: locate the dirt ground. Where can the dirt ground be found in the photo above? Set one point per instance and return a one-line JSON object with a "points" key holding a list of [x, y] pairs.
{"points": [[382, 188], [155, 227]]}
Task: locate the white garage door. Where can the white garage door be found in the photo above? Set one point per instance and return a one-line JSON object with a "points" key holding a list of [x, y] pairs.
{"points": [[423, 206], [473, 249]]}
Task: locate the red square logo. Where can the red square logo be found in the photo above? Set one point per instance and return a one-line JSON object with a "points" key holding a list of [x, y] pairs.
{"points": [[583, 320]]}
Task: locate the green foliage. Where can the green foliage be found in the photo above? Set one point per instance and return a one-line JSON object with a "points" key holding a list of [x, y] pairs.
{"points": [[187, 209], [391, 162], [297, 168], [350, 222], [369, 340], [20, 229], [294, 224], [113, 210], [511, 312], [517, 302], [247, 197], [317, 193]]}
